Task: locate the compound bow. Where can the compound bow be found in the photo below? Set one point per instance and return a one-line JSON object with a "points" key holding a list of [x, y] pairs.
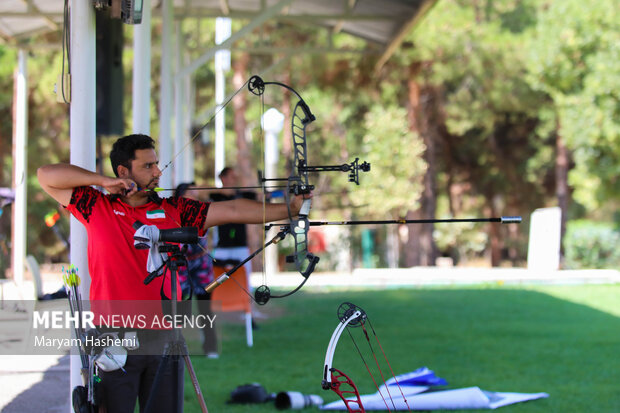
{"points": [[298, 183], [351, 316]]}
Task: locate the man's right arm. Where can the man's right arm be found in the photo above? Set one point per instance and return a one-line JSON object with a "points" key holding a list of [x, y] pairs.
{"points": [[59, 180]]}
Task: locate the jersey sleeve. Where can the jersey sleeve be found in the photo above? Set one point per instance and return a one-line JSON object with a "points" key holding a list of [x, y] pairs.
{"points": [[249, 195], [83, 200], [193, 213]]}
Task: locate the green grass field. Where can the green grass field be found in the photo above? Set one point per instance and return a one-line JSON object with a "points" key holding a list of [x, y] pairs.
{"points": [[563, 340]]}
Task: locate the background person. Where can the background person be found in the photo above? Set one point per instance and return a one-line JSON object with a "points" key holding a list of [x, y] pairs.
{"points": [[231, 240], [197, 276]]}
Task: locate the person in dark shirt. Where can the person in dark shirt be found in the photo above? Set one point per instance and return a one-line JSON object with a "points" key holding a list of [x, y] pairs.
{"points": [[231, 239], [197, 275]]}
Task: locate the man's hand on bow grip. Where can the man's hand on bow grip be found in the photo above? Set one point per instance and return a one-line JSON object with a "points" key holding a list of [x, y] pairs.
{"points": [[298, 200]]}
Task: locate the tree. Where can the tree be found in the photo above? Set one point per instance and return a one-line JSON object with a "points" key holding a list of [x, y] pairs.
{"points": [[574, 59], [482, 115]]}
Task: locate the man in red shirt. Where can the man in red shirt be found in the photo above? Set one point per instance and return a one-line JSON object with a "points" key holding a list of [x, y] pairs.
{"points": [[116, 268]]}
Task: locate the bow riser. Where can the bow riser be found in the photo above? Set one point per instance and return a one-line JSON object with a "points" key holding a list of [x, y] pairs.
{"points": [[338, 379]]}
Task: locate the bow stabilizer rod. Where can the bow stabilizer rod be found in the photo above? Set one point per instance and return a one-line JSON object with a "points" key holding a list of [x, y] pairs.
{"points": [[502, 220], [222, 278]]}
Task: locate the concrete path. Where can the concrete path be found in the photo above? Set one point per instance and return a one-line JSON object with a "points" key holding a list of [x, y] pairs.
{"points": [[34, 384]]}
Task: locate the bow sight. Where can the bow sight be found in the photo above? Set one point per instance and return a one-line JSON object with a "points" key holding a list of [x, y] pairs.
{"points": [[353, 168]]}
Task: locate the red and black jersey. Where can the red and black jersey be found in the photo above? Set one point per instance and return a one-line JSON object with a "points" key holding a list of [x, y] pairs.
{"points": [[117, 269]]}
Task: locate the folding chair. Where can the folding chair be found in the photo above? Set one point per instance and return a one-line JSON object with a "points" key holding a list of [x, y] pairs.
{"points": [[232, 297]]}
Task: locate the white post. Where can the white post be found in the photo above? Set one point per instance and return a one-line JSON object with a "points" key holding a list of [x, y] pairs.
{"points": [[20, 167], [141, 103], [180, 138], [165, 109], [273, 122], [543, 252], [222, 64], [189, 93], [82, 131]]}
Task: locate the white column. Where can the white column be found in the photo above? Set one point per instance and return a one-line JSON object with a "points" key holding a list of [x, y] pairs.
{"points": [[20, 167], [222, 64], [83, 116], [141, 103], [273, 122], [82, 131], [165, 103], [181, 139], [189, 93]]}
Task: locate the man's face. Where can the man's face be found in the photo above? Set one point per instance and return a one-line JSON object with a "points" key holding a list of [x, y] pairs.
{"points": [[144, 169]]}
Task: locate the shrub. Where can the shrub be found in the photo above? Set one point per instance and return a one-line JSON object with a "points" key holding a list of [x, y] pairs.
{"points": [[589, 244]]}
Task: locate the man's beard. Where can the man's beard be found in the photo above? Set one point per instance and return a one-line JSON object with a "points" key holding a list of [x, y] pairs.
{"points": [[150, 185]]}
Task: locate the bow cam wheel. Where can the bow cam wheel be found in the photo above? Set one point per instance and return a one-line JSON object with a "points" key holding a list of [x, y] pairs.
{"points": [[256, 85], [262, 295], [346, 310]]}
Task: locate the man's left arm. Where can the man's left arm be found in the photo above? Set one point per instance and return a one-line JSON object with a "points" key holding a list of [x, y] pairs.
{"points": [[245, 211]]}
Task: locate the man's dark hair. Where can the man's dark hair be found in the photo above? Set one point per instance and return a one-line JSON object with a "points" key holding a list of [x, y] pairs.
{"points": [[124, 150], [181, 189], [225, 172]]}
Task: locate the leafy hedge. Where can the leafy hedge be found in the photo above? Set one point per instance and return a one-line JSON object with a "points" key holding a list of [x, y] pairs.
{"points": [[589, 244]]}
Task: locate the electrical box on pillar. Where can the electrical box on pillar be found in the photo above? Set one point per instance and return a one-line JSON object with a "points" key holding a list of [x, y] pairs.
{"points": [[109, 43], [131, 11], [128, 11]]}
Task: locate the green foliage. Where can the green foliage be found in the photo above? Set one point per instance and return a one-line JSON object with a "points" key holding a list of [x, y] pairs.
{"points": [[589, 244], [460, 241], [476, 65], [395, 153], [483, 116], [574, 57], [8, 61]]}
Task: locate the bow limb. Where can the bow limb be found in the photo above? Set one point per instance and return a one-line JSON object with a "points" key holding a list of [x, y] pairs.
{"points": [[297, 184], [331, 348]]}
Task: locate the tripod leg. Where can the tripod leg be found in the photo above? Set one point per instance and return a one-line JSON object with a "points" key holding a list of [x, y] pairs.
{"points": [[192, 375]]}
